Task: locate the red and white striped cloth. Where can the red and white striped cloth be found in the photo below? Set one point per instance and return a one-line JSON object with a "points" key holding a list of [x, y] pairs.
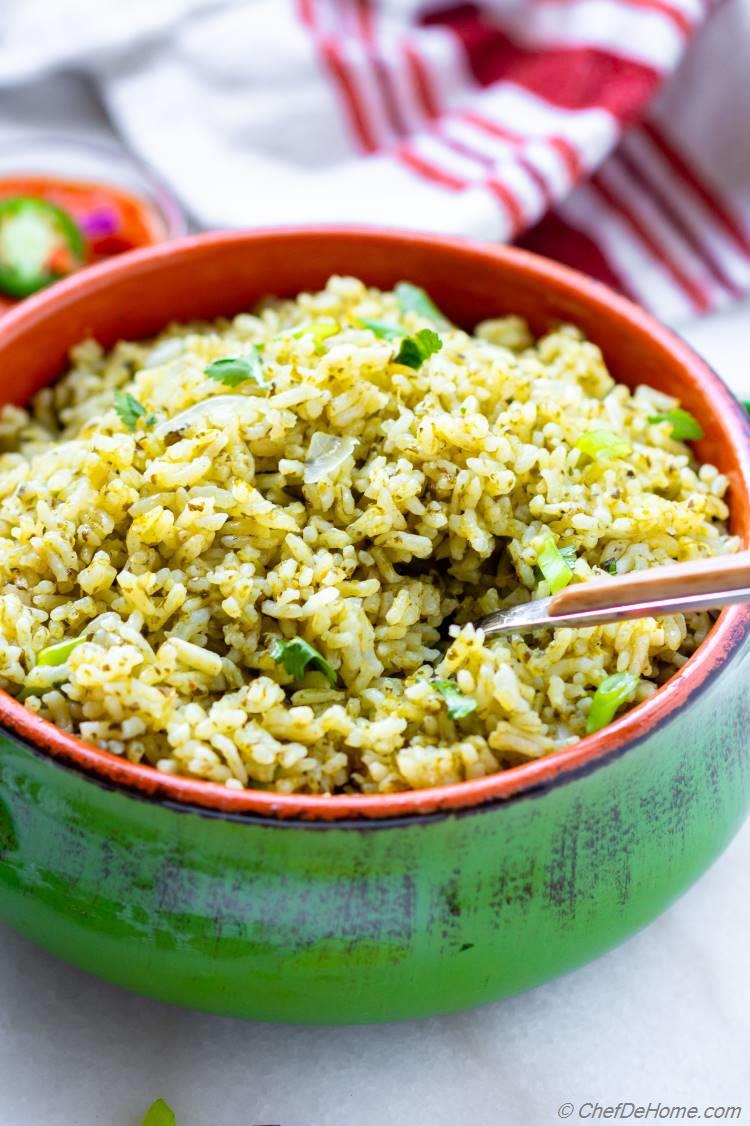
{"points": [[610, 134], [554, 112]]}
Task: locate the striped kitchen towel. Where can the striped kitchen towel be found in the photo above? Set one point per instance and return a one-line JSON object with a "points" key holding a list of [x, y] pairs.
{"points": [[610, 134]]}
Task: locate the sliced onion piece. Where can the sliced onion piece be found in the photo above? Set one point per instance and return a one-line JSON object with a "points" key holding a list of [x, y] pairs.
{"points": [[325, 455], [165, 351], [221, 408]]}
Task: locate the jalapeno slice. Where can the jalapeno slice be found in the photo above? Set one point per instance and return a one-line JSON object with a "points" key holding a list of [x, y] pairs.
{"points": [[39, 243]]}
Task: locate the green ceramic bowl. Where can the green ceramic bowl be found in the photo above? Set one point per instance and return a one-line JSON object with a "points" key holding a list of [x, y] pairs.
{"points": [[371, 908]]}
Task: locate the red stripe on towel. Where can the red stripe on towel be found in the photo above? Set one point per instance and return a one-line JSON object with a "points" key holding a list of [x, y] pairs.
{"points": [[573, 77], [691, 288]]}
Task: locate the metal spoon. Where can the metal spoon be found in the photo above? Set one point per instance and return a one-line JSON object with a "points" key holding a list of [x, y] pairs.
{"points": [[707, 584]]}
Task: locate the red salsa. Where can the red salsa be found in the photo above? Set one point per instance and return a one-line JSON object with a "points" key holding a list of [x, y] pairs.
{"points": [[51, 227]]}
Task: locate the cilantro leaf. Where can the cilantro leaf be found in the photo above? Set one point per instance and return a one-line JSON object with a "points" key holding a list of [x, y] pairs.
{"points": [[416, 349], [159, 1114], [296, 654], [457, 705], [234, 370], [128, 409], [412, 299], [382, 330]]}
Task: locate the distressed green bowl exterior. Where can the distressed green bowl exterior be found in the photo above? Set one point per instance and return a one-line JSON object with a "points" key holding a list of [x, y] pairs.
{"points": [[188, 897], [372, 921]]}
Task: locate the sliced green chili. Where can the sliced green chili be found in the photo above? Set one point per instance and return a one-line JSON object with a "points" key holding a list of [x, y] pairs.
{"points": [[319, 331], [39, 243], [58, 653], [159, 1114], [554, 565], [611, 694], [685, 428], [602, 445]]}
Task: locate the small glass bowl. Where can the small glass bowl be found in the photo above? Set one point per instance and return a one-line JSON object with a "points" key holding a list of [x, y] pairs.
{"points": [[84, 159]]}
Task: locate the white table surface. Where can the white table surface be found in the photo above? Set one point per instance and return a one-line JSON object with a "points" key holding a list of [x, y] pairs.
{"points": [[664, 1018]]}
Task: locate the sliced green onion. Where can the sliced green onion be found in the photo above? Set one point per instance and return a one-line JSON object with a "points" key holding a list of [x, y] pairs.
{"points": [[382, 330], [456, 704], [53, 656], [58, 653], [412, 299], [416, 349], [685, 428], [554, 565], [602, 444], [611, 694], [234, 370], [159, 1114], [319, 330], [610, 566], [296, 654]]}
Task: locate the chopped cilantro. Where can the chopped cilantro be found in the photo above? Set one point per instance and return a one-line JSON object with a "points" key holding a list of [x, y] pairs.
{"points": [[296, 654], [128, 409], [412, 299], [457, 705], [382, 330], [416, 349], [234, 370]]}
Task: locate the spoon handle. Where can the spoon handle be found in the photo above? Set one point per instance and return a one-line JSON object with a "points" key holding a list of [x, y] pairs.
{"points": [[704, 585], [658, 584]]}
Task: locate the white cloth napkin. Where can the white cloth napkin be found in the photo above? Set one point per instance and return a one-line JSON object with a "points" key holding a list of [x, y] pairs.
{"points": [[607, 133]]}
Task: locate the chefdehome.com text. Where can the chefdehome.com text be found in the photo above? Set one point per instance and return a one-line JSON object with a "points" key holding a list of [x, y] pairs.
{"points": [[596, 1111]]}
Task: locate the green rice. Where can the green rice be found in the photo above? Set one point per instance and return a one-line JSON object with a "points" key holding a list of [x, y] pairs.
{"points": [[370, 509]]}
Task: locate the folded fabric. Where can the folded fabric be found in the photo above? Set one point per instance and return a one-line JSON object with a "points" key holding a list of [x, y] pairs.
{"points": [[606, 133]]}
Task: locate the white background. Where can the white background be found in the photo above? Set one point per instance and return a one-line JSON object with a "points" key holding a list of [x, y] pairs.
{"points": [[665, 1018]]}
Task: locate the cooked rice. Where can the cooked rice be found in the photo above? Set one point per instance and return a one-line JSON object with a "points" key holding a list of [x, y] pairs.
{"points": [[180, 554]]}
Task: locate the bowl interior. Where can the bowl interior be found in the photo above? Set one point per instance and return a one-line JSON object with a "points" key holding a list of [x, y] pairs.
{"points": [[216, 275]]}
